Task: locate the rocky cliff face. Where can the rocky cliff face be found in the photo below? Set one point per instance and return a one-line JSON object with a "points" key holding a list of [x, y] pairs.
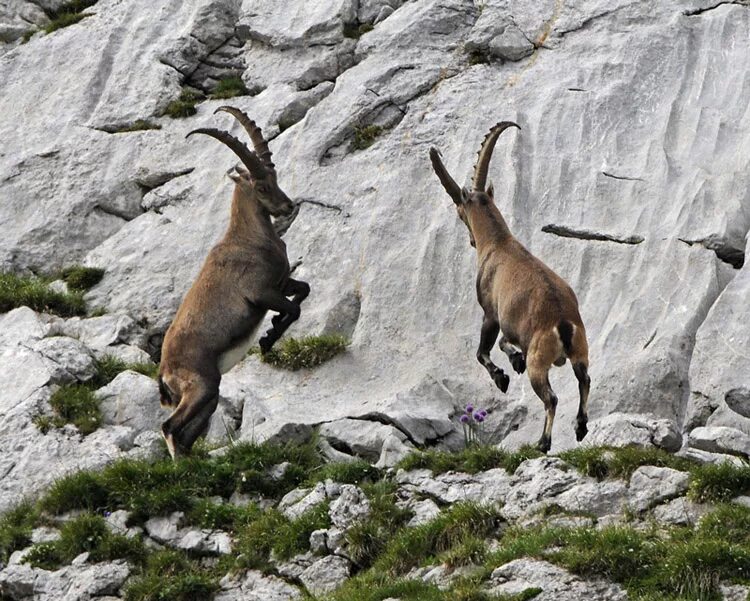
{"points": [[629, 178]]}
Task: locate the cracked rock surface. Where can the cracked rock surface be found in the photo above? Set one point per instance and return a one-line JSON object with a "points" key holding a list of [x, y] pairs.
{"points": [[633, 152]]}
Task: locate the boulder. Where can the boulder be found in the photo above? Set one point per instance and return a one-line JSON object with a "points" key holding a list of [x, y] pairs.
{"points": [[326, 574], [650, 485], [132, 400], [627, 429], [720, 440]]}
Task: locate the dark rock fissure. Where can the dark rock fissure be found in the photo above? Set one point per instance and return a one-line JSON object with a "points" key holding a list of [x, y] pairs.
{"points": [[700, 11], [724, 251], [568, 232], [622, 177]]}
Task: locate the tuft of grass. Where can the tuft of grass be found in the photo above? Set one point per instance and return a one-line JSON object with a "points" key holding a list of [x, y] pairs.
{"points": [[81, 278], [109, 367], [356, 30], [365, 136], [35, 293], [479, 57], [171, 576], [65, 20], [15, 529], [229, 87], [473, 459], [457, 524], [222, 516], [137, 125], [717, 483], [184, 106], [367, 539], [28, 34], [727, 522], [621, 462], [308, 352], [85, 533], [76, 404]]}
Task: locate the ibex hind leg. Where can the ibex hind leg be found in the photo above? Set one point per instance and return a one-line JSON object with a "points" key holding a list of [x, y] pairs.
{"points": [[197, 393], [584, 383], [198, 426], [515, 356], [490, 330]]}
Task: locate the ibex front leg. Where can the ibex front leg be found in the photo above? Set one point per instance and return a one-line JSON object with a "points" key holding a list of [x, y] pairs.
{"points": [[288, 311], [490, 330]]}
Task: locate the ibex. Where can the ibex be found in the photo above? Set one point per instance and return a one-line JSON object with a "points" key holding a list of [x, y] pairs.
{"points": [[245, 275], [534, 308]]}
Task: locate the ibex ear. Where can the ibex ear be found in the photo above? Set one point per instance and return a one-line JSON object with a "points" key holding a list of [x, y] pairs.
{"points": [[491, 191], [464, 195]]}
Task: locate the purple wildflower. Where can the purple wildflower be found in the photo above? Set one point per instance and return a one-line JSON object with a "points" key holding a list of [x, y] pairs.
{"points": [[469, 409], [478, 417], [463, 419], [483, 412]]}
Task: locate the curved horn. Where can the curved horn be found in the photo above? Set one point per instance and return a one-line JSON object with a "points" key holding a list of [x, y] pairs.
{"points": [[485, 154], [248, 158], [255, 133], [450, 185]]}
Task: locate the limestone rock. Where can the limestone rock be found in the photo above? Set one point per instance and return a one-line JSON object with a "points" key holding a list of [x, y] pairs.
{"points": [[556, 583], [363, 438], [622, 430], [650, 485], [536, 482], [488, 487], [351, 506], [720, 440], [132, 400], [255, 586], [591, 497], [326, 574], [680, 512]]}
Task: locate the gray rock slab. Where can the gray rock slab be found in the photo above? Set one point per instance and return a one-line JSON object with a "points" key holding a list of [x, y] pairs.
{"points": [[623, 430], [351, 506], [132, 400], [720, 439], [650, 485], [556, 583], [326, 574], [255, 586], [537, 482]]}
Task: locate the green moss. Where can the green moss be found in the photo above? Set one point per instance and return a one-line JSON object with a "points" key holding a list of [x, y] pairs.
{"points": [[308, 352], [230, 87], [365, 136], [719, 483], [35, 293], [81, 278], [617, 462], [473, 459], [172, 576], [184, 106], [15, 529], [76, 404]]}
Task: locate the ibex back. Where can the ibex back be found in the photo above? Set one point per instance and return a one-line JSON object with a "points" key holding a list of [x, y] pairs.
{"points": [[245, 275], [534, 308]]}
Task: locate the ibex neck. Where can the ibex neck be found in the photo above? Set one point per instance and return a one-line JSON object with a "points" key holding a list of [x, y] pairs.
{"points": [[248, 218], [487, 226]]}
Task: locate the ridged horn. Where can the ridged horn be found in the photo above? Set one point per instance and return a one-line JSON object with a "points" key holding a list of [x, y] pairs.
{"points": [[485, 153], [248, 158], [450, 185], [255, 133]]}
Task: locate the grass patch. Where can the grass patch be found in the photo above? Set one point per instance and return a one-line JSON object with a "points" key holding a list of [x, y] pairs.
{"points": [[308, 352], [65, 20], [368, 538], [184, 106], [171, 576], [621, 462], [479, 57], [35, 293], [86, 533], [348, 472], [81, 278], [365, 136], [452, 528], [718, 483], [137, 125], [78, 405], [15, 529], [229, 87], [28, 34], [474, 459]]}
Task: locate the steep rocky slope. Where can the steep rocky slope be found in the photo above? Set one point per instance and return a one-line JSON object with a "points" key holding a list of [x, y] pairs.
{"points": [[629, 177]]}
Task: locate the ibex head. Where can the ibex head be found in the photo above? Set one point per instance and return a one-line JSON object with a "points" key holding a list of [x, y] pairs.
{"points": [[257, 177], [478, 195]]}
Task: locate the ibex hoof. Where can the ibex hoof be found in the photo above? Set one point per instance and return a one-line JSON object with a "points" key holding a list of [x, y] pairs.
{"points": [[544, 444], [581, 431], [518, 362], [265, 344], [502, 381], [276, 320]]}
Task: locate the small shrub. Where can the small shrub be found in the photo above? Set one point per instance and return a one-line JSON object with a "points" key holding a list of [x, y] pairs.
{"points": [[184, 106], [81, 278], [76, 404], [308, 352], [717, 483], [230, 87], [365, 136], [35, 293]]}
